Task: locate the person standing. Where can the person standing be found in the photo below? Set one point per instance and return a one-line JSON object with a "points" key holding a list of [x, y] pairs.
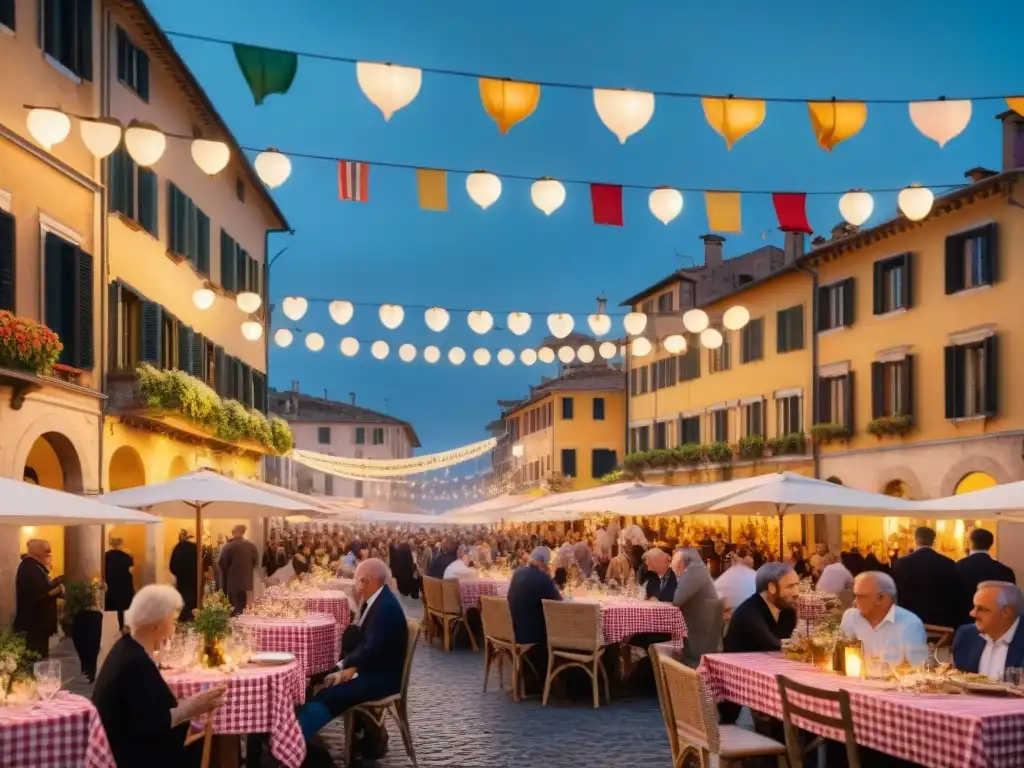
{"points": [[183, 565], [117, 569], [977, 567], [36, 597], [926, 582], [239, 558]]}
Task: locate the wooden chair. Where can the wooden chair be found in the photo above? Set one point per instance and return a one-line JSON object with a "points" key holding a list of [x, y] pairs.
{"points": [[575, 640], [663, 701], [844, 722], [397, 706], [207, 738], [433, 600], [942, 637], [500, 639], [450, 615], [427, 623], [692, 720]]}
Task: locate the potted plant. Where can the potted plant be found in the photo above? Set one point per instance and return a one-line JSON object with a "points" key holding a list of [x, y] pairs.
{"points": [[897, 424], [82, 621], [826, 433], [27, 345], [718, 452], [213, 622], [751, 447], [15, 660]]}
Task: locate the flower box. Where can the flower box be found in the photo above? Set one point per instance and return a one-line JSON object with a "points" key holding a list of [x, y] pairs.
{"points": [[898, 424], [826, 433], [26, 345]]}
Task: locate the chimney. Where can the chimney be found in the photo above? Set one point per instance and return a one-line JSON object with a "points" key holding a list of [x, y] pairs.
{"points": [[1013, 140], [352, 397], [326, 398], [712, 250], [978, 174], [295, 385], [794, 246]]}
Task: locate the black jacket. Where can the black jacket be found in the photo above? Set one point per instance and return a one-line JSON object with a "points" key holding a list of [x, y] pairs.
{"points": [[970, 572], [36, 609], [666, 595], [120, 584], [440, 563], [753, 629], [528, 587], [379, 653], [926, 585]]}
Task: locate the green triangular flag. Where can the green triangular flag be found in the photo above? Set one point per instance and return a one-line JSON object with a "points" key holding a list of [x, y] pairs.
{"points": [[265, 70]]}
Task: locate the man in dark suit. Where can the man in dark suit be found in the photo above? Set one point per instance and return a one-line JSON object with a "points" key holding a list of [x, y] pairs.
{"points": [[183, 568], [529, 586], [36, 597], [977, 567], [449, 554], [994, 641], [374, 667], [661, 582], [926, 582]]}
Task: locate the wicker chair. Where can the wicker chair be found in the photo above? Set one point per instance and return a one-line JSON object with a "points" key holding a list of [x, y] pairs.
{"points": [[427, 624], [807, 694], [575, 640], [693, 716], [207, 738], [397, 705], [663, 701], [500, 639], [433, 598], [451, 615]]}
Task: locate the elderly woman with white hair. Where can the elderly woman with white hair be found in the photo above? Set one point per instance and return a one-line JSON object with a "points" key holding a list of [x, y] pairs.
{"points": [[145, 724]]}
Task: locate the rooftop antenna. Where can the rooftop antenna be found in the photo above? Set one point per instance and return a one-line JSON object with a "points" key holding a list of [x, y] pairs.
{"points": [[602, 303], [684, 257]]}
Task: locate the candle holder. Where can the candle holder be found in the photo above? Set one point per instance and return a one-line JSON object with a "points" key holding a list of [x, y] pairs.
{"points": [[853, 660]]}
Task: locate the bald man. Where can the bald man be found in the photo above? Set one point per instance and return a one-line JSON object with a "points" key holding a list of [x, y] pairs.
{"points": [[661, 581], [36, 596]]}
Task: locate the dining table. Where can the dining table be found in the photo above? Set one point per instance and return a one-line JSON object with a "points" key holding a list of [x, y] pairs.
{"points": [[338, 603], [963, 730], [64, 732], [314, 639], [621, 618], [471, 590]]}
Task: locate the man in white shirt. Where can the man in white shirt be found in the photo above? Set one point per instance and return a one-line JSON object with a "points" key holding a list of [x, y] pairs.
{"points": [[835, 578], [883, 627], [738, 581], [461, 567], [994, 641]]}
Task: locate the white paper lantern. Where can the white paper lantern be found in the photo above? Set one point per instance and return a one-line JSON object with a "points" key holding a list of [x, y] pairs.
{"points": [[481, 356], [48, 127], [674, 344], [546, 355], [248, 301], [942, 120], [547, 194], [380, 349], [283, 337], [711, 338], [856, 206], [599, 324], [349, 346], [101, 136], [436, 318], [518, 450], [203, 298], [484, 188], [389, 87], [480, 321], [252, 330], [314, 342], [341, 311], [640, 346], [212, 157], [695, 320], [624, 112], [294, 307], [145, 143], [391, 315], [916, 202], [407, 352], [506, 356], [273, 168], [566, 354], [735, 318], [518, 322], [607, 350], [560, 324], [585, 354], [634, 323], [456, 355], [665, 203], [528, 357], [431, 354]]}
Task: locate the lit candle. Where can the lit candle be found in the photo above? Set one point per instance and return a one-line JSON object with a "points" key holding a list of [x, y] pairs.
{"points": [[853, 661]]}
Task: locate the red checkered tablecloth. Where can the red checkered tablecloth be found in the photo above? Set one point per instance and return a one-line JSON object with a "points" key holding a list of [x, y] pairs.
{"points": [[334, 602], [471, 590], [348, 585], [621, 619], [810, 607], [958, 731], [315, 639], [65, 732], [258, 700]]}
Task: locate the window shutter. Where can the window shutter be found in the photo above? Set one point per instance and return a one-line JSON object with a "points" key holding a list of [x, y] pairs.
{"points": [[795, 421], [952, 381], [259, 391], [907, 404], [84, 357], [114, 326], [203, 243], [633, 377], [151, 337], [954, 266], [781, 340], [57, 312], [907, 287], [7, 261], [220, 372], [7, 14], [83, 30], [990, 264], [174, 214], [991, 347], [188, 229], [199, 357], [849, 307], [185, 361], [142, 74], [823, 314], [115, 180], [227, 262], [122, 55], [824, 414], [758, 334], [877, 390], [247, 386], [796, 332], [148, 196], [848, 397], [241, 269], [878, 305]]}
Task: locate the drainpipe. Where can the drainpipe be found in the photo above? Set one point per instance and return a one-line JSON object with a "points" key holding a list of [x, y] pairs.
{"points": [[815, 405], [104, 99]]}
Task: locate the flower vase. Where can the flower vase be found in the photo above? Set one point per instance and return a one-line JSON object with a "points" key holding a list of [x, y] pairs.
{"points": [[213, 653]]}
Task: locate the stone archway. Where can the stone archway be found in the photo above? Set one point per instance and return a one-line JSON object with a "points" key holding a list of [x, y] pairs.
{"points": [[126, 469], [971, 464], [178, 468], [897, 488], [53, 462], [911, 484]]}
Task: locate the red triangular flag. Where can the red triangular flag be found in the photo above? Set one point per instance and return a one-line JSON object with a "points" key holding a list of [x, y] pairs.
{"points": [[606, 200], [791, 211]]}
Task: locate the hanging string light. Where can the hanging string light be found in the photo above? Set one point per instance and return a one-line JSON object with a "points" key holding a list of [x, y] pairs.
{"points": [[856, 206], [252, 330], [484, 188], [916, 202], [212, 157], [389, 87], [273, 168], [349, 346], [314, 342], [391, 315], [283, 337], [634, 323], [548, 195], [48, 127], [518, 322], [294, 307], [145, 143], [100, 136], [436, 319], [340, 311], [560, 324], [203, 298], [480, 321], [623, 112]]}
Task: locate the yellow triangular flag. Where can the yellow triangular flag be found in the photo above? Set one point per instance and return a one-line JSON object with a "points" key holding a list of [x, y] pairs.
{"points": [[723, 209], [1016, 103], [836, 121], [433, 189]]}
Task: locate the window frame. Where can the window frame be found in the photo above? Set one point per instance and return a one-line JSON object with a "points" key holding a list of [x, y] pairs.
{"points": [[76, 62], [836, 305], [133, 71], [786, 406], [751, 345], [321, 433], [881, 304], [955, 260], [784, 326], [598, 409]]}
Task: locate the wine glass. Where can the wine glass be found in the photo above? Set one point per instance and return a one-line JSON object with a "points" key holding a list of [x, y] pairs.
{"points": [[48, 678]]}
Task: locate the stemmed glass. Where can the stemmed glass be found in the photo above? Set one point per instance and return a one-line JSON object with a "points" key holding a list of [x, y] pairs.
{"points": [[48, 678]]}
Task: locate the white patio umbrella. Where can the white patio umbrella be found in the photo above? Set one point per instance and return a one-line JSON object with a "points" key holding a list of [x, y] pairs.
{"points": [[24, 503], [998, 501], [362, 514], [485, 511], [575, 501], [206, 493]]}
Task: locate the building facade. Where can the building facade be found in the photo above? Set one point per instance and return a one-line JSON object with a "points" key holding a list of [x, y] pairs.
{"points": [[344, 430]]}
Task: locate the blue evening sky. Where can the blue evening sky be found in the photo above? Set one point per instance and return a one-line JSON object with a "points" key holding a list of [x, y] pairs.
{"points": [[511, 257]]}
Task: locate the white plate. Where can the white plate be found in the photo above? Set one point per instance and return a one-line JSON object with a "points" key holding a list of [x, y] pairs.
{"points": [[272, 658], [992, 687]]}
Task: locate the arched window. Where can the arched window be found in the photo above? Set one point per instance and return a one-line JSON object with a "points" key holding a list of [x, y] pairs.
{"points": [[974, 481]]}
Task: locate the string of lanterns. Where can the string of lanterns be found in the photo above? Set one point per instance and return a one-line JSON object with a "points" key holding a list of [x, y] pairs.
{"points": [[146, 144], [384, 468]]}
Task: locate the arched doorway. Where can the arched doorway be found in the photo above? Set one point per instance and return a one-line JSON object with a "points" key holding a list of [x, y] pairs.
{"points": [[834, 480], [52, 462], [127, 470], [974, 481], [178, 468], [897, 488]]}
